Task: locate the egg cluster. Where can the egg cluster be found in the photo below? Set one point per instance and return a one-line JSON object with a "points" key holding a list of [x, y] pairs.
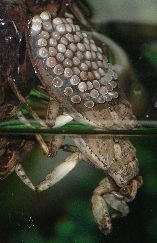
{"points": [[78, 67]]}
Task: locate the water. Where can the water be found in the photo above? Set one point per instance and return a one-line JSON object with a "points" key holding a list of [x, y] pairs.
{"points": [[63, 213]]}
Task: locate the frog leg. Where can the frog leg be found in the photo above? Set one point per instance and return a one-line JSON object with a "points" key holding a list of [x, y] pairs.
{"points": [[110, 201]]}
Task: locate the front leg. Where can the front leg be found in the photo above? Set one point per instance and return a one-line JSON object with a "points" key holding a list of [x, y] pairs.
{"points": [[53, 120], [50, 149], [23, 176], [110, 201], [54, 176], [59, 172], [52, 117], [52, 112], [39, 138], [22, 100]]}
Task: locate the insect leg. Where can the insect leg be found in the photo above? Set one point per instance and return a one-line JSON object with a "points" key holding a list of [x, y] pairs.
{"points": [[103, 200], [52, 118], [110, 201], [24, 103], [52, 112], [55, 121], [24, 178], [59, 172], [70, 148], [55, 142], [38, 136]]}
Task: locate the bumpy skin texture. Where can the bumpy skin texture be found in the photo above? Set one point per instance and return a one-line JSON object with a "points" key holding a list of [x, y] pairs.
{"points": [[116, 156]]}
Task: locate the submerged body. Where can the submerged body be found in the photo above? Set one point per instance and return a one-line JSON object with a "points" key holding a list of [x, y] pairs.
{"points": [[78, 77], [75, 72]]}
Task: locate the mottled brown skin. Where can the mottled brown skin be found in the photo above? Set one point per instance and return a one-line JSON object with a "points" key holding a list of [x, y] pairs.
{"points": [[116, 156]]}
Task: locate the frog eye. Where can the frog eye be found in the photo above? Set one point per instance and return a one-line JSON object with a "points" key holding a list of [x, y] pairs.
{"points": [[71, 65]]}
